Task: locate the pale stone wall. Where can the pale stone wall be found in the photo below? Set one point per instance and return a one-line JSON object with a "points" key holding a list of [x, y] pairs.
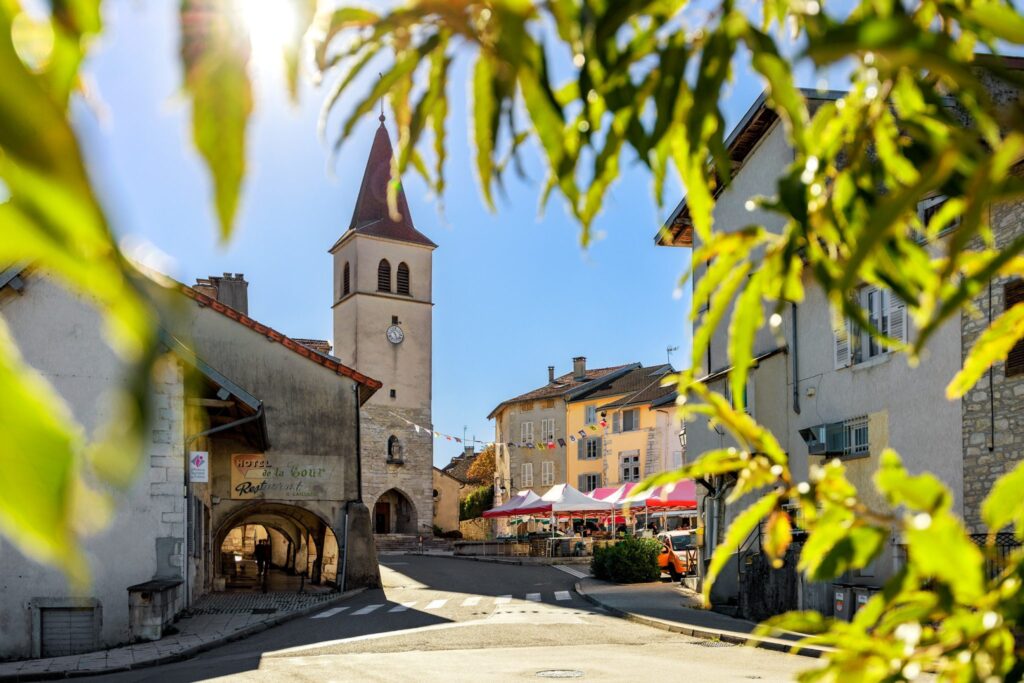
{"points": [[520, 455], [446, 501], [61, 336], [993, 411], [413, 477]]}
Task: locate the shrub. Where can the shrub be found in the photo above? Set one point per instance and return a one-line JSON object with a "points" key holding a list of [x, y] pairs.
{"points": [[476, 502], [631, 560]]}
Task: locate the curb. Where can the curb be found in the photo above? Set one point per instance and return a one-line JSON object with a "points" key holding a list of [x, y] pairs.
{"points": [[512, 561], [189, 652], [766, 643]]}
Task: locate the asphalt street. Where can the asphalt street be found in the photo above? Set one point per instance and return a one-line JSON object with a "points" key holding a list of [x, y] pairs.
{"points": [[446, 619]]}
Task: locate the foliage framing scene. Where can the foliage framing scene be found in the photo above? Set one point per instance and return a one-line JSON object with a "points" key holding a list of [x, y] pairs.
{"points": [[588, 85]]}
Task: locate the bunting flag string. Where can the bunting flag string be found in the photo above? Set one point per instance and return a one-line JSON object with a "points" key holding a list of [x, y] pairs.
{"points": [[549, 444]]}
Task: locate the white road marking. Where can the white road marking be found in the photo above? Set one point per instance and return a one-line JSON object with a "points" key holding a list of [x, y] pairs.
{"points": [[502, 599], [572, 571], [366, 610], [436, 604], [470, 602], [401, 608], [533, 597], [330, 613], [562, 595]]}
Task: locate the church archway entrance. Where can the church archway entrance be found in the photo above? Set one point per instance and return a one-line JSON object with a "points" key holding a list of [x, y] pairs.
{"points": [[394, 513], [295, 545]]}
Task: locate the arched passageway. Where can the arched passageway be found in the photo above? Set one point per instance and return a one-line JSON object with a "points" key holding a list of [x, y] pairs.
{"points": [[394, 513], [299, 547]]}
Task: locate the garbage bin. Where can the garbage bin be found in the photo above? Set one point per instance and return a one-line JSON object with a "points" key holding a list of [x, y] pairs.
{"points": [[861, 595], [842, 601]]}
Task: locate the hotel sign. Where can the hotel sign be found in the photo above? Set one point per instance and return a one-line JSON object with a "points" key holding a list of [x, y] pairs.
{"points": [[282, 477]]}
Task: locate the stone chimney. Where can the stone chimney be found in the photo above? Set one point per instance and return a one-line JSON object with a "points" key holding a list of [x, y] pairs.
{"points": [[230, 289], [551, 374], [579, 368], [467, 451]]}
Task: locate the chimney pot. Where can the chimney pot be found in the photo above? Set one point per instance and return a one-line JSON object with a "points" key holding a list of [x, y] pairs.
{"points": [[551, 374], [579, 368]]}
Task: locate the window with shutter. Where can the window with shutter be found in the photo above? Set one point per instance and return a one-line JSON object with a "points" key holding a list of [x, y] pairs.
{"points": [[629, 420], [897, 318], [886, 312], [403, 278], [580, 452], [1013, 294], [527, 475], [384, 276], [616, 423], [591, 415], [527, 432], [547, 473], [841, 337]]}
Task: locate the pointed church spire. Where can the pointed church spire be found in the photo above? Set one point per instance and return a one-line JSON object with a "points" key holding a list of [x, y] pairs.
{"points": [[371, 215]]}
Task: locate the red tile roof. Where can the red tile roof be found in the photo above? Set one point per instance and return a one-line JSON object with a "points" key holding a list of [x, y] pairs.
{"points": [[371, 215], [370, 385], [560, 386]]}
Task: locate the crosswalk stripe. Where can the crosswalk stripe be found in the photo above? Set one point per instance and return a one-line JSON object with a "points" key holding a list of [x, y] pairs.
{"points": [[366, 610], [330, 613], [470, 602], [533, 597], [562, 595], [572, 571], [502, 599], [436, 604], [402, 607]]}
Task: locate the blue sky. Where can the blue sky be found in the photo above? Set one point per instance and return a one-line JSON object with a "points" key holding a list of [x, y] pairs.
{"points": [[513, 292]]}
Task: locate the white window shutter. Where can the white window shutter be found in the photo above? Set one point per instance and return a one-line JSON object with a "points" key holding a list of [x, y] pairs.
{"points": [[841, 338], [616, 423], [897, 318]]}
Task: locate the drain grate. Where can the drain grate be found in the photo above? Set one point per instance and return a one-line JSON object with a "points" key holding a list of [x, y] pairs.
{"points": [[560, 673], [715, 643]]}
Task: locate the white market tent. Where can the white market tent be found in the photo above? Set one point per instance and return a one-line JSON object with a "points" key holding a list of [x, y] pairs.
{"points": [[524, 500], [565, 498]]}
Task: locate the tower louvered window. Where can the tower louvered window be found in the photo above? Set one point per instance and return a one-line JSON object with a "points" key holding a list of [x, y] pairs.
{"points": [[403, 278], [384, 276], [345, 280]]}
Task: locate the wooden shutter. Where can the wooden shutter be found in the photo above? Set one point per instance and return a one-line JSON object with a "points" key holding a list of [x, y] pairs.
{"points": [[1013, 295], [616, 423], [345, 281], [403, 278], [841, 338], [598, 447], [581, 451], [897, 318], [384, 276]]}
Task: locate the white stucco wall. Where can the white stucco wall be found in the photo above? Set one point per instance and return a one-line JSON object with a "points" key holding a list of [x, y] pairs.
{"points": [[60, 336]]}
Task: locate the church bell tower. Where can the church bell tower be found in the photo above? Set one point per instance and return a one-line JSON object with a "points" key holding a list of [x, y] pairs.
{"points": [[382, 326]]}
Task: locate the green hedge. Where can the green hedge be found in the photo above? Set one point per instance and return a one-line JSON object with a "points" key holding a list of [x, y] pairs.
{"points": [[473, 505], [631, 560]]}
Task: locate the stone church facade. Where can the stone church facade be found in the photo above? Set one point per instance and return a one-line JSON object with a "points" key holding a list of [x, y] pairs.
{"points": [[382, 325]]}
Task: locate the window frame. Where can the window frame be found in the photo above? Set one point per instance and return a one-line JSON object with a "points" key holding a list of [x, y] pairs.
{"points": [[526, 475], [547, 473], [524, 429]]}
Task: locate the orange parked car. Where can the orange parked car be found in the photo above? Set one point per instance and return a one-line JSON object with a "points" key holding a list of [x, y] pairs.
{"points": [[678, 553]]}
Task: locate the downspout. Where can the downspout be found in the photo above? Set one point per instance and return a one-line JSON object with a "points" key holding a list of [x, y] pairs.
{"points": [[796, 365], [359, 447], [188, 487], [991, 386]]}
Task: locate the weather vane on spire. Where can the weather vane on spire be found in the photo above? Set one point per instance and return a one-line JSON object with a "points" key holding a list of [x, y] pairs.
{"points": [[381, 117]]}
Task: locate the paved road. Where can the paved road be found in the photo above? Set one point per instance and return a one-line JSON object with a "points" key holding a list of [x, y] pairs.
{"points": [[446, 619]]}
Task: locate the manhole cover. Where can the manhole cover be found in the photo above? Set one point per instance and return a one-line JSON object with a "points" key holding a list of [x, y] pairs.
{"points": [[560, 673], [715, 643]]}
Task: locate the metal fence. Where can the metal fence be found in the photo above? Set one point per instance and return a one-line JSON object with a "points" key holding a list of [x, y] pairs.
{"points": [[997, 549]]}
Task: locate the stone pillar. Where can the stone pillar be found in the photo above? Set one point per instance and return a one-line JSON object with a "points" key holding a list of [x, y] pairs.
{"points": [[320, 537], [361, 568]]}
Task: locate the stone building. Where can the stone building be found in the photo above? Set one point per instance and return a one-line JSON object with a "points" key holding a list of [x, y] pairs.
{"points": [[535, 422], [382, 325], [269, 425]]}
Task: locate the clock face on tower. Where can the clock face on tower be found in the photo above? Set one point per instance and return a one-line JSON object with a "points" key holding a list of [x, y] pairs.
{"points": [[395, 334]]}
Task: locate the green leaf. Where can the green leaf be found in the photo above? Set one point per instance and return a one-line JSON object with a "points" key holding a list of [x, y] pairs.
{"points": [[1004, 503], [40, 458], [215, 56], [739, 530], [939, 548], [993, 346], [747, 319], [922, 492], [778, 536], [485, 122]]}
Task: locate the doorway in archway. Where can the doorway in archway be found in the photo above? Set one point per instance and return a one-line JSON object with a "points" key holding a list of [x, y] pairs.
{"points": [[299, 549], [394, 513]]}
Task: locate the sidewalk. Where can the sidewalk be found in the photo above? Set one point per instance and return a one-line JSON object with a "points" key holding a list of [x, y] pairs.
{"points": [[671, 608], [213, 620]]}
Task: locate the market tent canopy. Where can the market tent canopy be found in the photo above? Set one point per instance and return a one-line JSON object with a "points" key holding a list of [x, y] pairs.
{"points": [[680, 495], [512, 506], [565, 498]]}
